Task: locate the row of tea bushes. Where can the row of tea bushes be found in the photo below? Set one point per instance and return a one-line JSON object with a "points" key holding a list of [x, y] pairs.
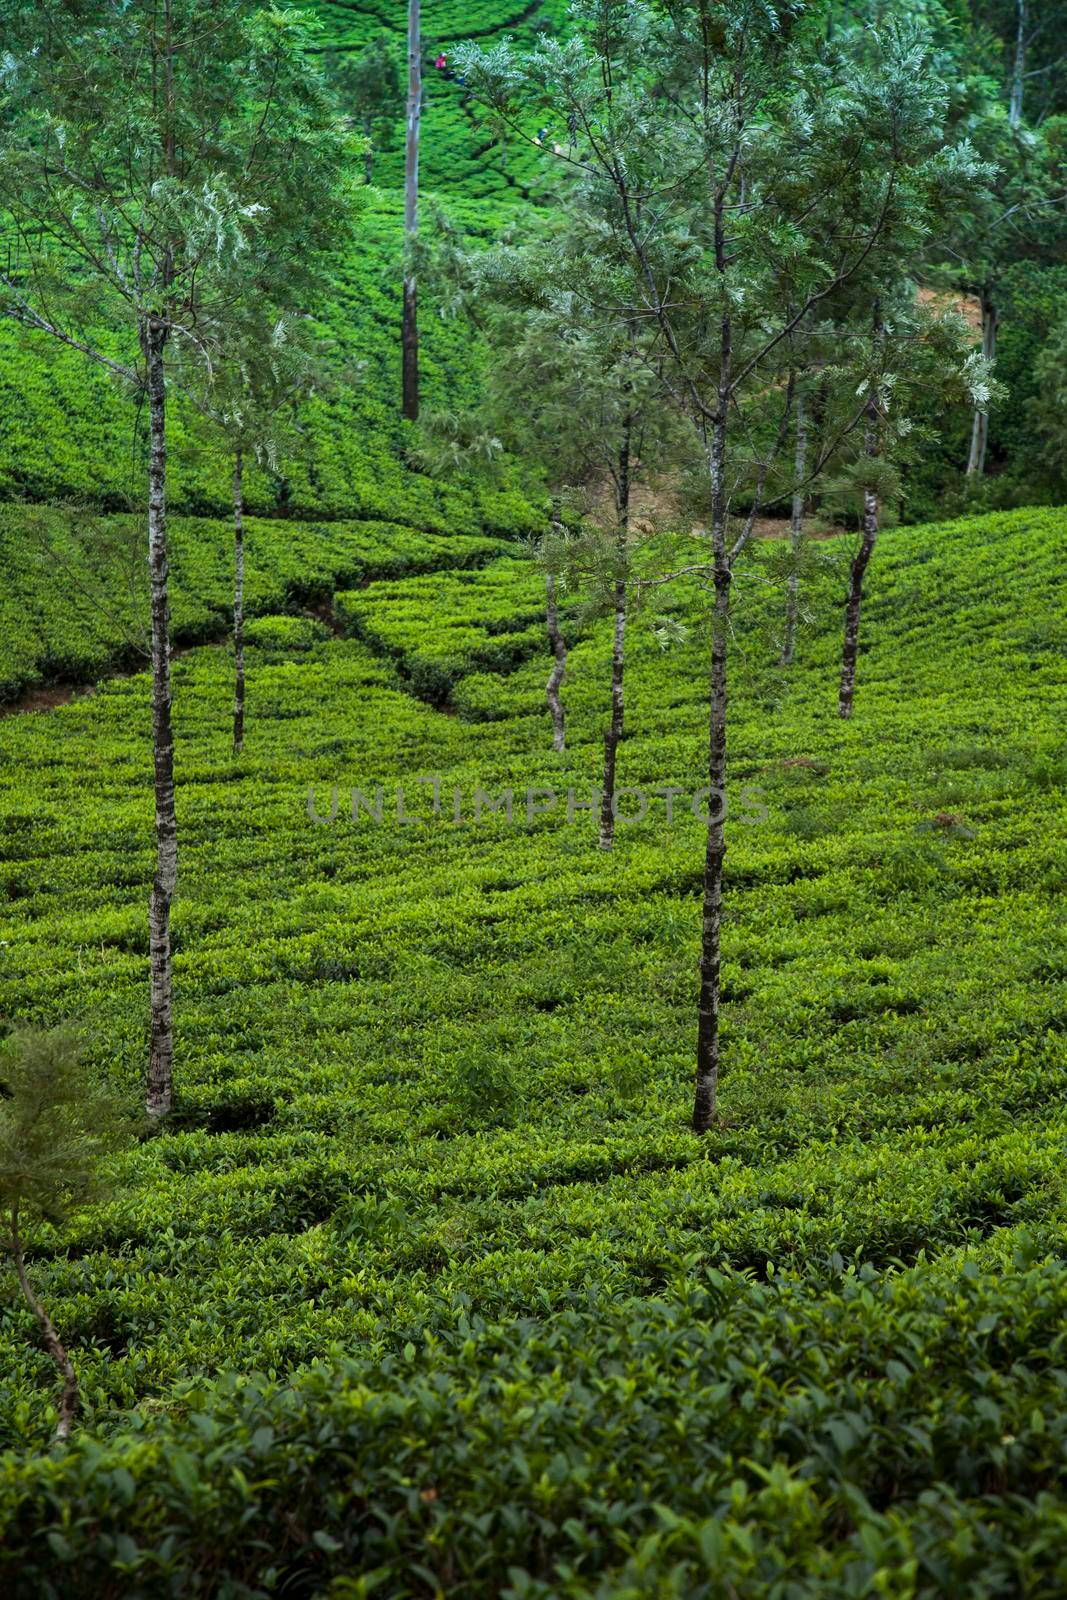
{"points": [[73, 588], [439, 629], [68, 434], [849, 1434]]}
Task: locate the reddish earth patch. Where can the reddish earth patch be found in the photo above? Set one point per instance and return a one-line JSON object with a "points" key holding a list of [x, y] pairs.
{"points": [[60, 694]]}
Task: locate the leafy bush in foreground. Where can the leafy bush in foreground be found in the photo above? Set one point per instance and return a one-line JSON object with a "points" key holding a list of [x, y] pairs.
{"points": [[861, 1435]]}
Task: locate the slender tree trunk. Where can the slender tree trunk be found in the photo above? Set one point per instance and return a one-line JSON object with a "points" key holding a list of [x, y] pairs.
{"points": [[559, 651], [161, 1056], [707, 1071], [238, 603], [1018, 75], [557, 642], [69, 1403], [980, 427], [368, 156], [855, 583], [614, 730], [410, 333], [796, 535]]}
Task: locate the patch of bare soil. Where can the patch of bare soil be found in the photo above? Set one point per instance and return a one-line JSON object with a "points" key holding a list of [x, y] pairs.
{"points": [[968, 307], [655, 506], [62, 694], [59, 694], [778, 528]]}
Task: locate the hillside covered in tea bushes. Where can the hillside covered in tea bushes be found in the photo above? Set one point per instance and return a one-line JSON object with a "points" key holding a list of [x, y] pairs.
{"points": [[429, 1178], [425, 1289]]}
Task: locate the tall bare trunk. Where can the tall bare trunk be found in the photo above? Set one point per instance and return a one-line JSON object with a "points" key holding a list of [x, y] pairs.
{"points": [[859, 566], [614, 730], [980, 426], [368, 154], [68, 1404], [161, 1055], [796, 534], [707, 1072], [559, 666], [410, 333], [238, 603], [557, 642], [1018, 75]]}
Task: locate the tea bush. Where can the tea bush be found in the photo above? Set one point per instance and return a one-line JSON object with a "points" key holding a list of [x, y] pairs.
{"points": [[74, 601], [440, 630], [428, 1289]]}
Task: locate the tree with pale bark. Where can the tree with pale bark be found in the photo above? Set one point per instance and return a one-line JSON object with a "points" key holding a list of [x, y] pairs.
{"points": [[409, 330], [1030, 39], [579, 393], [751, 172], [146, 147], [1019, 214], [250, 396]]}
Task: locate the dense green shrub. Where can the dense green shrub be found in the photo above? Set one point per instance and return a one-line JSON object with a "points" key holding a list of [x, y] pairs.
{"points": [[442, 628], [282, 636], [730, 1437]]}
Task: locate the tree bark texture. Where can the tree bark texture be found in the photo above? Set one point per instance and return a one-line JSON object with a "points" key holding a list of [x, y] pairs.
{"points": [[707, 1069], [1018, 74], [559, 667], [980, 426], [238, 603], [860, 562], [410, 331], [796, 535], [614, 730], [161, 1053]]}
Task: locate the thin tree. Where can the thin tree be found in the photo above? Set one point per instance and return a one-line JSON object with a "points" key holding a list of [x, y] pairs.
{"points": [[131, 213], [1020, 213], [796, 528], [56, 1126], [368, 86], [470, 443], [913, 352], [250, 397], [582, 393], [1033, 36], [874, 419], [717, 203], [557, 643], [409, 337], [1018, 71]]}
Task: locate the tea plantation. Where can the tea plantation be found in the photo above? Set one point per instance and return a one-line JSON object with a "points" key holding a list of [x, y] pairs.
{"points": [[427, 1288]]}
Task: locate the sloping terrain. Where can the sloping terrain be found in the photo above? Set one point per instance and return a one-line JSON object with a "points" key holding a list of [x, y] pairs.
{"points": [[434, 1079], [427, 1289]]}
